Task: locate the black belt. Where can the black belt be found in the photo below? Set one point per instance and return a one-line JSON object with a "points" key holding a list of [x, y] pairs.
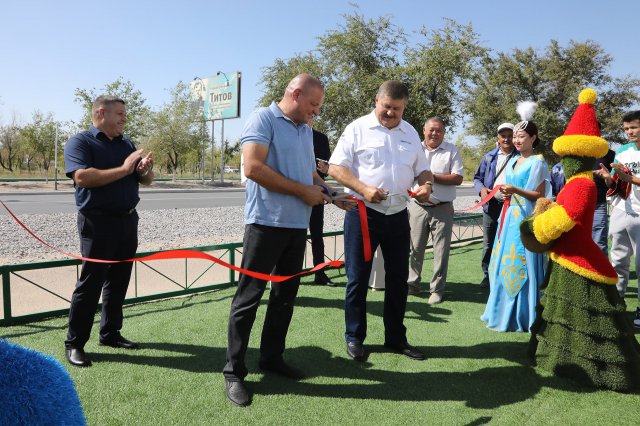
{"points": [[116, 213]]}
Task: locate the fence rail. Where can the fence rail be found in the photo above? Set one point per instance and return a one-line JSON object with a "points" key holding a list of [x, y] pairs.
{"points": [[34, 291]]}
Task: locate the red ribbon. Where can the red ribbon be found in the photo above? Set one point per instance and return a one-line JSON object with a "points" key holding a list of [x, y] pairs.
{"points": [[182, 254], [364, 227], [505, 207], [485, 200]]}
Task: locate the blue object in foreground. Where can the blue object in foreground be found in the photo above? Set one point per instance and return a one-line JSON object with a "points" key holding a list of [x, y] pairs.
{"points": [[35, 389]]}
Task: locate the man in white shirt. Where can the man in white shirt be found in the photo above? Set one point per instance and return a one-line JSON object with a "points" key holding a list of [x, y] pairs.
{"points": [[377, 159], [435, 216]]}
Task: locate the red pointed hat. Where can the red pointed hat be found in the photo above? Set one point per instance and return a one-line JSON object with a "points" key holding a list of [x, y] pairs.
{"points": [[582, 136]]}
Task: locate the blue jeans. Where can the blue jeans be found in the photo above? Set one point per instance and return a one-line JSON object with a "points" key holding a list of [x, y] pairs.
{"points": [[391, 233], [600, 232]]}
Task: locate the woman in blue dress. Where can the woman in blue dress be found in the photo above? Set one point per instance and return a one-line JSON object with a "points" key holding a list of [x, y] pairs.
{"points": [[515, 273]]}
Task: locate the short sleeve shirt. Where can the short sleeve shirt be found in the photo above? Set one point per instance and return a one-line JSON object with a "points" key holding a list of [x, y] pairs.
{"points": [[385, 158], [290, 154], [629, 155], [93, 149], [445, 159]]}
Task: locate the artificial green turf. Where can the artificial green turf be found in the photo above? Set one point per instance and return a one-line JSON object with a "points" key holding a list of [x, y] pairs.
{"points": [[473, 375]]}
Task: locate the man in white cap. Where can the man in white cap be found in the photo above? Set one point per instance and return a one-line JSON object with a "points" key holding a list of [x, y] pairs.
{"points": [[491, 173]]}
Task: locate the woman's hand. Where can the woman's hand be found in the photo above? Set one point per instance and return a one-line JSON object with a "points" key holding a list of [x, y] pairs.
{"points": [[508, 190]]}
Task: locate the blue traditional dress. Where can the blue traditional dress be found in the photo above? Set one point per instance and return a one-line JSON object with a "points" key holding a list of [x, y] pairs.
{"points": [[516, 274]]}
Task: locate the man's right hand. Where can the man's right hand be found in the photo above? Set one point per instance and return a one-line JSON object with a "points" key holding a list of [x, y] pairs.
{"points": [[373, 194], [131, 161], [313, 195], [484, 192]]}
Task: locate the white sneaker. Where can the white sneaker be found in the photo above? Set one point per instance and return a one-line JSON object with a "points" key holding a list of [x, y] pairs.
{"points": [[636, 321], [436, 298]]}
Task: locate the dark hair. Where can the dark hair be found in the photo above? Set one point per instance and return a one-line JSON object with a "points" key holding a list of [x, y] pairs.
{"points": [[532, 130], [105, 101], [631, 116], [394, 89]]}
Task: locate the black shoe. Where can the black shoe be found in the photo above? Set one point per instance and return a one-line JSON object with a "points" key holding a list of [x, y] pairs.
{"points": [[119, 342], [407, 351], [484, 283], [323, 279], [77, 357], [282, 368], [237, 392], [355, 350]]}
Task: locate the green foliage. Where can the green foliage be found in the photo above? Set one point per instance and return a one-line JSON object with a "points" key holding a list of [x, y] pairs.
{"points": [[437, 71], [39, 137], [553, 78], [138, 113], [354, 59], [9, 146], [351, 61], [573, 165], [174, 130], [471, 157]]}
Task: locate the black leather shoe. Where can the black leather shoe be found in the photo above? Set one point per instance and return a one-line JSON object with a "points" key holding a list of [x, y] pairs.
{"points": [[237, 392], [355, 350], [282, 368], [323, 279], [407, 351], [119, 342], [485, 283], [77, 357]]}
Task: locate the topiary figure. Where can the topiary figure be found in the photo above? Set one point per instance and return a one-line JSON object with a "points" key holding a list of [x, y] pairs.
{"points": [[581, 330]]}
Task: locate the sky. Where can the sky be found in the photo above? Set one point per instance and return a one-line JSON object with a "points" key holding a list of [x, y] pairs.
{"points": [[50, 48]]}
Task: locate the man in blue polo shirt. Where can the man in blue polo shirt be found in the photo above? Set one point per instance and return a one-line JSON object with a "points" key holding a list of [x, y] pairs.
{"points": [[106, 169], [282, 186]]}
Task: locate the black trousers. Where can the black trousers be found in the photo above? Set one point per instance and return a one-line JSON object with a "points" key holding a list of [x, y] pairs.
{"points": [[490, 227], [316, 225], [392, 234], [268, 250], [109, 238]]}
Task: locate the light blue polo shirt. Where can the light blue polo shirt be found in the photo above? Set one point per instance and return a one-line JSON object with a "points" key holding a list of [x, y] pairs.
{"points": [[291, 154]]}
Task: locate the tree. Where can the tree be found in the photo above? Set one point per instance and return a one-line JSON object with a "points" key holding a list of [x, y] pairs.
{"points": [[553, 78], [351, 62], [438, 70], [9, 145], [174, 129], [137, 111], [40, 137]]}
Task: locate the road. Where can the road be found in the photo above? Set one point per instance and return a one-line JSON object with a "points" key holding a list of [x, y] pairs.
{"points": [[64, 202]]}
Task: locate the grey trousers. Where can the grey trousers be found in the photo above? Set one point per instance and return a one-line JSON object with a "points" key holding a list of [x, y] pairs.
{"points": [[437, 222], [624, 229]]}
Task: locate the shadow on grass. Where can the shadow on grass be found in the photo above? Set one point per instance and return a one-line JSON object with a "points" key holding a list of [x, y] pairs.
{"points": [[486, 388], [177, 356]]}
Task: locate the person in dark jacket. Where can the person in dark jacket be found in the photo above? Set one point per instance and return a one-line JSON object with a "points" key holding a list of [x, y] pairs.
{"points": [[322, 152], [489, 174]]}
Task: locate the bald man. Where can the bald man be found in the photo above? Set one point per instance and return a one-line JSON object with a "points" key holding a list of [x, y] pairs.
{"points": [[282, 187]]}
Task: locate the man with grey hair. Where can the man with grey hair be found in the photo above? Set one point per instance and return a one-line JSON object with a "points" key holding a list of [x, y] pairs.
{"points": [[377, 159], [435, 216], [282, 187], [106, 169]]}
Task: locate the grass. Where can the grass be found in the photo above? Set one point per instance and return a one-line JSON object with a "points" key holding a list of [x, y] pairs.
{"points": [[473, 375]]}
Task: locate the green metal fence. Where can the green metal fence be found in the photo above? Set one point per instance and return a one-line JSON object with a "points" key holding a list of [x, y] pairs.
{"points": [[53, 279]]}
